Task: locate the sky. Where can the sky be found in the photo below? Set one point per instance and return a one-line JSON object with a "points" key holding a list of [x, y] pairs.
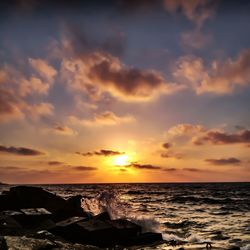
{"points": [[124, 91]]}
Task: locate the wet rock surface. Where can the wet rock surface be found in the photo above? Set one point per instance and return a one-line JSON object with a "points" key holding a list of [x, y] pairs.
{"points": [[32, 218]]}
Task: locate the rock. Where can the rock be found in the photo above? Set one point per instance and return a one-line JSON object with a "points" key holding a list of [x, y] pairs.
{"points": [[22, 197], [25, 243], [101, 233], [30, 197], [233, 248], [9, 225], [96, 232], [30, 218], [68, 229], [143, 239], [102, 216], [125, 229], [3, 245], [72, 208]]}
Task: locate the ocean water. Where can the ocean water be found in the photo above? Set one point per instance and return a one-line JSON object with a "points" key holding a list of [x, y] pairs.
{"points": [[194, 213]]}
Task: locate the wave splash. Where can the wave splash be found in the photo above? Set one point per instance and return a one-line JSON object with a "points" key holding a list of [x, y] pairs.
{"points": [[110, 202]]}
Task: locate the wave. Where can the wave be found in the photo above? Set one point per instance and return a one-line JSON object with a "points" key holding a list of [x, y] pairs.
{"points": [[246, 247]]}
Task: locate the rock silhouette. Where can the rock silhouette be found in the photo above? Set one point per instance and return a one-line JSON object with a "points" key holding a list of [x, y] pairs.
{"points": [[26, 210]]}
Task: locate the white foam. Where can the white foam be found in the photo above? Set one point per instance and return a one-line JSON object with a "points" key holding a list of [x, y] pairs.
{"points": [[169, 237], [246, 247]]}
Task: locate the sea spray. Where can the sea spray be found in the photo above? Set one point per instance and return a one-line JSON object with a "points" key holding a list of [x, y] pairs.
{"points": [[106, 202], [110, 201]]}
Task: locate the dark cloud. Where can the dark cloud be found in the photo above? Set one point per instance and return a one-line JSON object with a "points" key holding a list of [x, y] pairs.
{"points": [[220, 138], [81, 43], [224, 161], [171, 154], [53, 163], [64, 130], [193, 169], [170, 169], [127, 81], [144, 166], [166, 145], [20, 151], [101, 152], [83, 168]]}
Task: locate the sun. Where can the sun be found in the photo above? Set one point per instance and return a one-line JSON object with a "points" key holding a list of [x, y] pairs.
{"points": [[121, 160]]}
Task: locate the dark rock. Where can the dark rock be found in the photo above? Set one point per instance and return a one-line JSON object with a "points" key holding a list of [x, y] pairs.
{"points": [[9, 226], [234, 248], [102, 216], [68, 229], [101, 233], [3, 245], [96, 232], [144, 239], [22, 197], [31, 217], [72, 208], [125, 229], [30, 197]]}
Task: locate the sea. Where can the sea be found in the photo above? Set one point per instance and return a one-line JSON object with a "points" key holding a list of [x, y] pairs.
{"points": [[189, 213]]}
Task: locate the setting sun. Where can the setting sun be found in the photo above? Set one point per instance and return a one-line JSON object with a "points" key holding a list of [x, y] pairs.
{"points": [[121, 160]]}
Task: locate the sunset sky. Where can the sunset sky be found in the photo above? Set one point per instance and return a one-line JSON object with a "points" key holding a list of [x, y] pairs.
{"points": [[124, 91]]}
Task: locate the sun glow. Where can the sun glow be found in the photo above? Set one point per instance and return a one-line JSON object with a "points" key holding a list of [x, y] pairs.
{"points": [[121, 160]]}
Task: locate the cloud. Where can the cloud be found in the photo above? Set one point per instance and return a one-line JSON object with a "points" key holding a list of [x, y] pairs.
{"points": [[101, 152], [43, 68], [224, 161], [100, 73], [20, 151], [55, 163], [167, 145], [170, 169], [171, 154], [106, 118], [144, 166], [39, 110], [221, 137], [218, 77], [197, 11], [193, 170], [64, 130], [195, 39], [79, 43], [82, 168], [15, 91], [185, 129], [10, 106]]}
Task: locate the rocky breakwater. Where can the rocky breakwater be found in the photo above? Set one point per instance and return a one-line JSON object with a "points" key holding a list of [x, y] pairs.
{"points": [[32, 218]]}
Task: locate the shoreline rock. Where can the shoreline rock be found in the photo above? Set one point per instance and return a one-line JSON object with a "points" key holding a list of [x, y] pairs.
{"points": [[26, 210]]}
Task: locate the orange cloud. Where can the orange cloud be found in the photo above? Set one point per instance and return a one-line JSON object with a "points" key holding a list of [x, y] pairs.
{"points": [[64, 130], [197, 11], [43, 68], [219, 78], [185, 129], [15, 88], [20, 151], [106, 118], [101, 152], [224, 161], [98, 73], [221, 137]]}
